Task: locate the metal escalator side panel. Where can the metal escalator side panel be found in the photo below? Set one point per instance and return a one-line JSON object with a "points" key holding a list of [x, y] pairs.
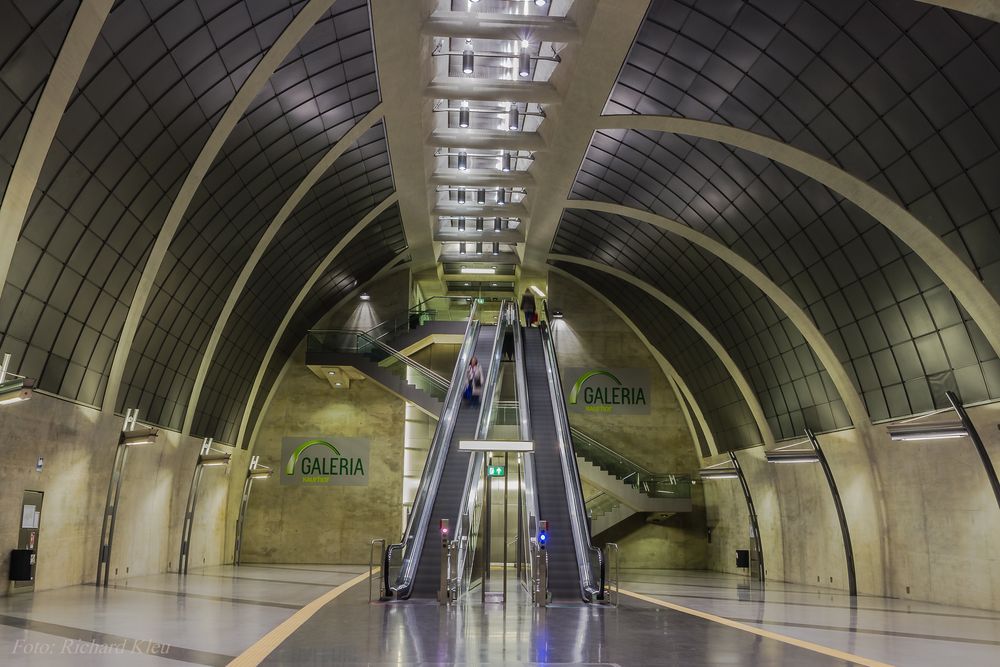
{"points": [[589, 588], [416, 528], [463, 529]]}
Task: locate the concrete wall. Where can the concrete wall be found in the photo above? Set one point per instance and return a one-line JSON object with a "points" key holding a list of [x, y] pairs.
{"points": [[942, 530], [78, 445], [591, 335], [330, 524], [334, 524]]}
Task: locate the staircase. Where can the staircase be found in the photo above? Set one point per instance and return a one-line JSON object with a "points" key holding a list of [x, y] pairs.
{"points": [[626, 487]]}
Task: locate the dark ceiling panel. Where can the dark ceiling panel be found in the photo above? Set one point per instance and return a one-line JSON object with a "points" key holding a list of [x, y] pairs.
{"points": [[882, 310], [900, 94], [793, 388], [158, 78], [375, 248], [727, 414], [321, 90], [33, 33], [371, 250], [360, 179]]}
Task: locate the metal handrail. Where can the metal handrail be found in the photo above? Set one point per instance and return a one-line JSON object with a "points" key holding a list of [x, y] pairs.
{"points": [[591, 442], [416, 528], [589, 589], [380, 541], [438, 379], [464, 529], [531, 510]]}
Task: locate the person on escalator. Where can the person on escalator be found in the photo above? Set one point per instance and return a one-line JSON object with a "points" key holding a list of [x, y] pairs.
{"points": [[474, 387], [528, 306]]}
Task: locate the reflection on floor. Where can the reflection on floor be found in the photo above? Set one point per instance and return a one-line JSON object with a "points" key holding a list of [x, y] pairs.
{"points": [[899, 632], [206, 618], [215, 614]]}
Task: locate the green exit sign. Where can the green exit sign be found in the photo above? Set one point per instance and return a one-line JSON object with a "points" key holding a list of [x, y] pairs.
{"points": [[496, 471]]}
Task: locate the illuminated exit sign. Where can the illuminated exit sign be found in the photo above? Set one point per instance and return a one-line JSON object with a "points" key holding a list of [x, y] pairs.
{"points": [[496, 471]]}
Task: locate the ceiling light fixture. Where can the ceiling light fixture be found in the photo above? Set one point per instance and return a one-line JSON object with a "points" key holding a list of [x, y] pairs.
{"points": [[497, 224], [468, 61], [463, 161], [461, 224], [479, 224], [472, 270], [913, 432], [481, 196], [505, 162], [524, 64], [365, 296], [479, 247], [501, 196], [513, 118], [461, 195], [461, 248], [463, 115], [496, 247]]}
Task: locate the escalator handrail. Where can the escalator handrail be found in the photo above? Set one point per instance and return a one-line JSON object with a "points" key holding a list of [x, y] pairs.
{"points": [[589, 589], [524, 423], [474, 472], [416, 527]]}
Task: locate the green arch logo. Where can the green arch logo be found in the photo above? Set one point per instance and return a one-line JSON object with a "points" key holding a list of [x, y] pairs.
{"points": [[582, 380], [290, 466]]}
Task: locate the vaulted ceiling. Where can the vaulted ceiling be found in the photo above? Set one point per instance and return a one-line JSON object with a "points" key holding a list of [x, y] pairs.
{"points": [[795, 201]]}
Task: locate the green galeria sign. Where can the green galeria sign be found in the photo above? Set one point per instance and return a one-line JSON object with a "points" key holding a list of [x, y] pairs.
{"points": [[601, 390], [324, 461]]}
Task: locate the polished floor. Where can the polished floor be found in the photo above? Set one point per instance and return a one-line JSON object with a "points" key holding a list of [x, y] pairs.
{"points": [[898, 632], [215, 614]]}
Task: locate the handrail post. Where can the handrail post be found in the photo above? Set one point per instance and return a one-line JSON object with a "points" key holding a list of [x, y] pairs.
{"points": [[380, 541]]}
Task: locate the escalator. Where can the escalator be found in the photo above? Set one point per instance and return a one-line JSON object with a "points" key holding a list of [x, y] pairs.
{"points": [[557, 482], [448, 498], [443, 482]]}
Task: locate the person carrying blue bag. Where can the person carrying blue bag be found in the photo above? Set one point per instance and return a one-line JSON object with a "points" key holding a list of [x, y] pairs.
{"points": [[474, 385]]}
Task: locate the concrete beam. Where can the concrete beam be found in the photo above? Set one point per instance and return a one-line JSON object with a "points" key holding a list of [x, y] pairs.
{"points": [[452, 235], [486, 258], [306, 18], [65, 74], [403, 69], [927, 245], [446, 137], [586, 75], [327, 161], [492, 90], [501, 26], [316, 275], [749, 396], [665, 366], [472, 211], [483, 178]]}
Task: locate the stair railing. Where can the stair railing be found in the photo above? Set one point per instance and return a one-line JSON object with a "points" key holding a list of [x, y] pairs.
{"points": [[423, 504]]}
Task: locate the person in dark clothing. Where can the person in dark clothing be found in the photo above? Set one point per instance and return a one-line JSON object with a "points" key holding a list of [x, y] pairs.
{"points": [[528, 306]]}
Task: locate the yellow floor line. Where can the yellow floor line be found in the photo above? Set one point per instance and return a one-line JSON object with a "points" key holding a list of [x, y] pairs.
{"points": [[263, 647], [809, 646]]}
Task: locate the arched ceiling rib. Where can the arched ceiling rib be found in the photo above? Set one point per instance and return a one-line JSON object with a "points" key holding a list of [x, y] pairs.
{"points": [[291, 204], [902, 96], [700, 434], [729, 417], [886, 315], [31, 32], [796, 314], [140, 116], [284, 43], [325, 85], [386, 230]]}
